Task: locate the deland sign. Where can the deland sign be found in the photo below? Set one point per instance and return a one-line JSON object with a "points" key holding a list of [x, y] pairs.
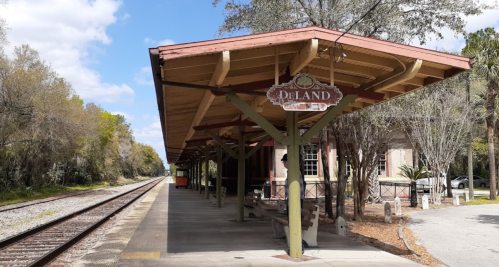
{"points": [[304, 93]]}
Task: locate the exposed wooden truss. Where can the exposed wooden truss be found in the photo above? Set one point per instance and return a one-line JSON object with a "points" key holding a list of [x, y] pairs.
{"points": [[375, 70]]}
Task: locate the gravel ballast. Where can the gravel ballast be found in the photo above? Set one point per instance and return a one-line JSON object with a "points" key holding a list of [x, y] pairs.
{"points": [[13, 222]]}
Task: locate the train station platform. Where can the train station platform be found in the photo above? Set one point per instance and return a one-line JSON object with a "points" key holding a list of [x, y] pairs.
{"points": [[180, 227]]}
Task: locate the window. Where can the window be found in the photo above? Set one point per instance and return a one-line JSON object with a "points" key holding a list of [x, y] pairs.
{"points": [[311, 160], [382, 165]]}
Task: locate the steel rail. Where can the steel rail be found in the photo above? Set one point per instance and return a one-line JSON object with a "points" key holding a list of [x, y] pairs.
{"points": [[34, 202], [53, 253]]}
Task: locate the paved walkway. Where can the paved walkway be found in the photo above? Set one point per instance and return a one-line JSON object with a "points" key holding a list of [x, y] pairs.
{"points": [[460, 236], [179, 227]]}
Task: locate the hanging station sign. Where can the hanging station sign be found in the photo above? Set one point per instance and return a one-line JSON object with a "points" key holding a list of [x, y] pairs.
{"points": [[304, 93]]}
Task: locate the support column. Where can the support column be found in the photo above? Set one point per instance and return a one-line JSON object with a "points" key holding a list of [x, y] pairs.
{"points": [[240, 177], [195, 164], [470, 172], [206, 177], [200, 171], [219, 176], [194, 175], [191, 176], [294, 197]]}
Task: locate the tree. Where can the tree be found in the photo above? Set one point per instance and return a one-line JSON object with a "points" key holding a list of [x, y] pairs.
{"points": [[438, 119], [337, 130], [395, 20], [3, 27], [413, 173], [365, 136], [484, 46], [328, 196]]}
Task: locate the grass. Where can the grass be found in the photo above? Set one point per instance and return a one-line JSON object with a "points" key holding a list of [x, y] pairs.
{"points": [[27, 194], [479, 200], [21, 195], [477, 189]]}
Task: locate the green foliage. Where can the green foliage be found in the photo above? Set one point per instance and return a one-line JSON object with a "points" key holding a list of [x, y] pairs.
{"points": [[414, 173], [479, 200], [26, 194], [48, 137], [395, 20], [173, 169], [484, 46]]}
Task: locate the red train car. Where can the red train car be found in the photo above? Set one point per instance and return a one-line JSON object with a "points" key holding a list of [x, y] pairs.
{"points": [[182, 178]]}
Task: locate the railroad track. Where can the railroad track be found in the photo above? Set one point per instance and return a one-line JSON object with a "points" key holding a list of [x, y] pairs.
{"points": [[38, 201], [39, 246], [44, 200]]}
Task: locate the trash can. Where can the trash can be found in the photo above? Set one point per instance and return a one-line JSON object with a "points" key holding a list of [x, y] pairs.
{"points": [[266, 189]]}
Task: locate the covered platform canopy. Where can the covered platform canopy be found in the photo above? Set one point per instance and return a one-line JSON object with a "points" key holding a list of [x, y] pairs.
{"points": [[381, 70], [195, 81]]}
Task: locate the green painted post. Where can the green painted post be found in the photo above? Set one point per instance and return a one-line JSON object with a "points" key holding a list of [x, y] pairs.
{"points": [[240, 177], [194, 176], [191, 176], [206, 177], [200, 173], [294, 197], [219, 176]]}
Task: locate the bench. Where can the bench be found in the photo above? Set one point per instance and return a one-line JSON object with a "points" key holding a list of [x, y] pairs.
{"points": [[252, 205], [213, 197], [309, 224]]}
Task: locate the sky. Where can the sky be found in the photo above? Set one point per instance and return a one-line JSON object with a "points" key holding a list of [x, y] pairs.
{"points": [[101, 47]]}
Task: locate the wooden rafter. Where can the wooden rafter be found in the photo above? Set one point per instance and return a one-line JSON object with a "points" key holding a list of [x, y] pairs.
{"points": [[304, 57], [347, 68], [214, 90], [396, 77], [217, 79], [258, 102], [224, 124]]}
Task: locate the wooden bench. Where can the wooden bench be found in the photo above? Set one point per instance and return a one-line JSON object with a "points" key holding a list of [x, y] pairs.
{"points": [[252, 205], [213, 197], [309, 224]]}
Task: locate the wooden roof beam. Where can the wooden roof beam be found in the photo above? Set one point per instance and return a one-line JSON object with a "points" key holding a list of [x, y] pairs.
{"points": [[259, 101], [396, 88], [217, 79], [338, 77], [366, 100], [362, 58], [221, 69], [416, 81], [432, 72], [347, 68], [395, 77], [224, 124], [356, 104], [304, 57]]}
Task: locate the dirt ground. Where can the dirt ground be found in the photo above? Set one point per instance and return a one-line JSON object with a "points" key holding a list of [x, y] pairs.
{"points": [[373, 231]]}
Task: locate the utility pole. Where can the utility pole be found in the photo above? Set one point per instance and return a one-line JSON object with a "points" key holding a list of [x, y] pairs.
{"points": [[470, 152]]}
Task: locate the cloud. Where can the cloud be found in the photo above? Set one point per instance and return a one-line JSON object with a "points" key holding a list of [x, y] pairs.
{"points": [[144, 76], [452, 43], [127, 116], [166, 42], [153, 42], [150, 117], [125, 16], [65, 34], [153, 136]]}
